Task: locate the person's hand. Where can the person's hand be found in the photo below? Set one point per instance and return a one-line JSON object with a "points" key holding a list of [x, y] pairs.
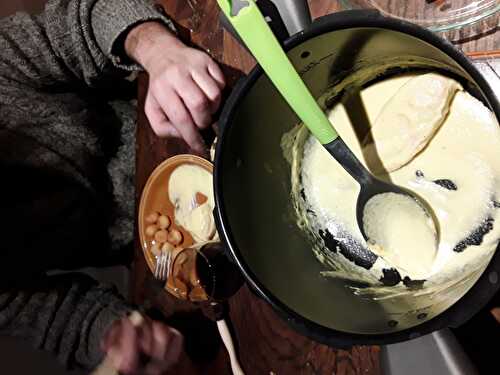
{"points": [[185, 84], [496, 313], [152, 348]]}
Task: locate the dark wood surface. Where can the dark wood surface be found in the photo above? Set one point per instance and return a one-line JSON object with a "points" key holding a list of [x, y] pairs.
{"points": [[266, 345]]}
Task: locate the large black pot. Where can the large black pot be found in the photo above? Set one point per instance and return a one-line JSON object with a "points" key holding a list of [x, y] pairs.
{"points": [[252, 181]]}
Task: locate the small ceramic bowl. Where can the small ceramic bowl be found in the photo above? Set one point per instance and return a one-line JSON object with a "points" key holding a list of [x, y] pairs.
{"points": [[155, 199]]}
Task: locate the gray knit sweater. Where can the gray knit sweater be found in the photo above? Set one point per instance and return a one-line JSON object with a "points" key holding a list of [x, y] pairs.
{"points": [[66, 167]]}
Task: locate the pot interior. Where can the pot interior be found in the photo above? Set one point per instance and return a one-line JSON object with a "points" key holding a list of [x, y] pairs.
{"points": [[254, 183]]}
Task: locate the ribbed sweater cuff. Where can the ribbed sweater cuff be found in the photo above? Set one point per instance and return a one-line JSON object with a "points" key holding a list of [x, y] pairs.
{"points": [[111, 21], [100, 326]]}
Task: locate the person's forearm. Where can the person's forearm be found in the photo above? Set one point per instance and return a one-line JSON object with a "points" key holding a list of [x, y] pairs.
{"points": [[66, 315], [71, 42], [141, 40]]}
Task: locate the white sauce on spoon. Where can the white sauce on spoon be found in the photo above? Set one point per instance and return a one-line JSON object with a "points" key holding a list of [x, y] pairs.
{"points": [[401, 232]]}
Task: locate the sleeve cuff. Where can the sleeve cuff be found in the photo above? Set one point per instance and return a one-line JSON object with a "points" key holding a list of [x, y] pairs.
{"points": [[103, 321], [111, 21]]}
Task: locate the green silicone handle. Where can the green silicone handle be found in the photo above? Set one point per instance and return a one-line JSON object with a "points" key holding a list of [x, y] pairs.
{"points": [[260, 40]]}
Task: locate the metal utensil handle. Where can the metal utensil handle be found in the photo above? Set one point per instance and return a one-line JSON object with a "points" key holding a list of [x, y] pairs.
{"points": [[285, 17], [295, 14], [107, 367]]}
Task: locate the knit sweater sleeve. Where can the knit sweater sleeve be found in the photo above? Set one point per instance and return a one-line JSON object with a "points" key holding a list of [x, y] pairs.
{"points": [[66, 315], [71, 42]]}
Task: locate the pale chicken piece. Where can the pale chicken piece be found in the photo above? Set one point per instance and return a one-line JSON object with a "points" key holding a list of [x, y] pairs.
{"points": [[408, 121]]}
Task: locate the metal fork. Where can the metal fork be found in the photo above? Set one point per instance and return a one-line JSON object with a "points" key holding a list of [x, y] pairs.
{"points": [[163, 264]]}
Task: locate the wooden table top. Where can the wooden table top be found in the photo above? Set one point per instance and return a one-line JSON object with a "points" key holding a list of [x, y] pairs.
{"points": [[266, 345]]}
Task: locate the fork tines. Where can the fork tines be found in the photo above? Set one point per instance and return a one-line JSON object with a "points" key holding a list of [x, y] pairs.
{"points": [[162, 267]]}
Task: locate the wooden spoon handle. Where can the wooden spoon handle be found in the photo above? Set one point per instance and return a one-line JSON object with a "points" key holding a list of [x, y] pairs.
{"points": [[228, 342]]}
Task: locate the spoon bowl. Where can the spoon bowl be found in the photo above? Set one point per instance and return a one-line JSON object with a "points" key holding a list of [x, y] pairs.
{"points": [[370, 185]]}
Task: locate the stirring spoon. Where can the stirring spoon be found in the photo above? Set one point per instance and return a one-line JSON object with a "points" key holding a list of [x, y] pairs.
{"points": [[252, 28]]}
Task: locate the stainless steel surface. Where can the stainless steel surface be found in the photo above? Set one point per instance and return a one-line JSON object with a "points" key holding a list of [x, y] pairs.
{"points": [[490, 69], [237, 5], [438, 353], [295, 14], [163, 263]]}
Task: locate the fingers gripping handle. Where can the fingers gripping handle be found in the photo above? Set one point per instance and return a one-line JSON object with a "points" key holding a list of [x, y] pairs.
{"points": [[107, 367]]}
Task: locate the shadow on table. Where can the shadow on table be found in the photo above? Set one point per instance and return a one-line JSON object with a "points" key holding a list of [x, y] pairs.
{"points": [[202, 339]]}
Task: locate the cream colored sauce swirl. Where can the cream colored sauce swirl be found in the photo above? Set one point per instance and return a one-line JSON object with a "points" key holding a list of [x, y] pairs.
{"points": [[424, 133]]}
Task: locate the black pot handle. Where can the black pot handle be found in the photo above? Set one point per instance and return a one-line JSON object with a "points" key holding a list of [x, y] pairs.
{"points": [[285, 17]]}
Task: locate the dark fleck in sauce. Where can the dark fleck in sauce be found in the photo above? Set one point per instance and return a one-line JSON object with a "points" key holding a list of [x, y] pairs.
{"points": [[413, 284], [476, 237], [447, 184], [391, 277], [303, 194], [354, 252]]}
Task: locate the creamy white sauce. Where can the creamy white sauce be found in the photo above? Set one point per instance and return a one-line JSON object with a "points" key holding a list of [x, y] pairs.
{"points": [[401, 232], [408, 120], [185, 182], [449, 135]]}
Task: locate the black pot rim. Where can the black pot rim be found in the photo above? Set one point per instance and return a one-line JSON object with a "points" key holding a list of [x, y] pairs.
{"points": [[480, 293]]}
